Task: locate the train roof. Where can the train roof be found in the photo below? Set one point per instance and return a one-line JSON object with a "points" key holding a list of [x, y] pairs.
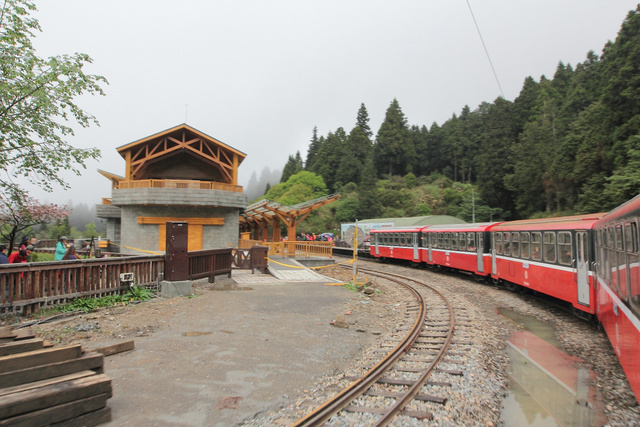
{"points": [[414, 220], [558, 223], [408, 229], [626, 209], [478, 226]]}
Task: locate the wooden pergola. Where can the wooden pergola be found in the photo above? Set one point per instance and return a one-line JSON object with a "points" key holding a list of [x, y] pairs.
{"points": [[267, 213]]}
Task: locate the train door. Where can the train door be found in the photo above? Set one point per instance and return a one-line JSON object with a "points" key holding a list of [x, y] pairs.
{"points": [[376, 239], [416, 251], [480, 251], [582, 267], [494, 266], [431, 237]]}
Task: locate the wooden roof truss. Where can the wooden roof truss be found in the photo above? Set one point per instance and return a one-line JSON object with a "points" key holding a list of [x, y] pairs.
{"points": [[208, 151], [291, 216]]}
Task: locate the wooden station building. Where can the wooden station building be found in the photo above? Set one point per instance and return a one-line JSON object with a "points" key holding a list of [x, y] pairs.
{"points": [[179, 174]]}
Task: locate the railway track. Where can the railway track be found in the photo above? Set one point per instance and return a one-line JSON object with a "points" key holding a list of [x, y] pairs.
{"points": [[401, 384]]}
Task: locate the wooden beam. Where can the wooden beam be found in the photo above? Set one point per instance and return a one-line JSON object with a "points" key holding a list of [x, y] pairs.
{"points": [[93, 361], [54, 394], [14, 347], [39, 357], [194, 221], [110, 350]]}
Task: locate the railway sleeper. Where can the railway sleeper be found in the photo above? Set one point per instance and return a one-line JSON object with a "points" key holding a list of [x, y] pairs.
{"points": [[381, 411], [395, 395], [394, 381]]}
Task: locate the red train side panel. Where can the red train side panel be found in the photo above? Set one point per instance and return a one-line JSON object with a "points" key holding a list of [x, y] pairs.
{"points": [[618, 281], [552, 256], [459, 246]]}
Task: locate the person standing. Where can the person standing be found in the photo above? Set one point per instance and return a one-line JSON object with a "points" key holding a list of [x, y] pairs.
{"points": [[4, 259], [61, 248]]}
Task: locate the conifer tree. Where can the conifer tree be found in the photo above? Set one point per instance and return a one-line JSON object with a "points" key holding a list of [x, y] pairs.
{"points": [[394, 153]]}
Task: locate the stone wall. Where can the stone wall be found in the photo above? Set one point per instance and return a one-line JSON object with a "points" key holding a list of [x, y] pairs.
{"points": [[145, 236], [178, 196]]}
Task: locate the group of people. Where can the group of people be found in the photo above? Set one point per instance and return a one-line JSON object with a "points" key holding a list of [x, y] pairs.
{"points": [[64, 251], [324, 237], [23, 254]]}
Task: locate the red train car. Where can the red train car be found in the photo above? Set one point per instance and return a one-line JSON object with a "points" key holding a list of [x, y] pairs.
{"points": [[551, 255], [396, 243], [618, 285], [462, 247]]}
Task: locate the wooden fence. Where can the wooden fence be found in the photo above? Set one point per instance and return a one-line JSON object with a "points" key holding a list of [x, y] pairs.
{"points": [[28, 287], [303, 249], [210, 263]]}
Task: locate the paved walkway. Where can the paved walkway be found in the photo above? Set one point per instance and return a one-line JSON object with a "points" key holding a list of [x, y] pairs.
{"points": [[288, 270]]}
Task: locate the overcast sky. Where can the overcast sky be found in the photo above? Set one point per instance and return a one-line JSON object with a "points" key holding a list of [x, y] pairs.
{"points": [[259, 75]]}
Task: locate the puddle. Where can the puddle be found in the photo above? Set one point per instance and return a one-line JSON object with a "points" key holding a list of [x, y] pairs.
{"points": [[547, 387]]}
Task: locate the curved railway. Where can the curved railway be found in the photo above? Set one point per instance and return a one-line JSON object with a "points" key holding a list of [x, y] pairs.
{"points": [[401, 382]]}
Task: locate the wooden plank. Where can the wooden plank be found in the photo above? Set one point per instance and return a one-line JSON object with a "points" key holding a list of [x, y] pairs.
{"points": [[95, 418], [67, 412], [39, 357], [37, 384], [52, 395], [24, 334], [14, 347], [115, 348], [93, 361]]}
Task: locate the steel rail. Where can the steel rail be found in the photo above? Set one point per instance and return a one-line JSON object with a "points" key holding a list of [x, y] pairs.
{"points": [[332, 406], [338, 402], [415, 388]]}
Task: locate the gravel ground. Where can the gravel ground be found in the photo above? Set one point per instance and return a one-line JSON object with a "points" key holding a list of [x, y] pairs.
{"points": [[475, 399]]}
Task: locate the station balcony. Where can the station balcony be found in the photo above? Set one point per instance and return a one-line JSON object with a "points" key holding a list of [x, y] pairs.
{"points": [[176, 192]]}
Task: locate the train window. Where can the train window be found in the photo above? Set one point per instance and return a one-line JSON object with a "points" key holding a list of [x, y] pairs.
{"points": [[454, 241], [536, 246], [506, 249], [629, 242], [515, 244], [403, 239], [447, 240], [619, 237], [471, 241], [433, 239], [549, 246], [524, 245], [441, 240], [463, 241], [564, 248], [498, 241]]}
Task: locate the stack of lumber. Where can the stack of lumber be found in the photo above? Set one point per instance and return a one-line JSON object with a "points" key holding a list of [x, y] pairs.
{"points": [[44, 385]]}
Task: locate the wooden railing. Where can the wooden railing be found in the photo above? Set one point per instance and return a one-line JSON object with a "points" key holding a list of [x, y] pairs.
{"points": [[28, 287], [251, 259], [303, 249], [176, 183], [209, 263]]}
